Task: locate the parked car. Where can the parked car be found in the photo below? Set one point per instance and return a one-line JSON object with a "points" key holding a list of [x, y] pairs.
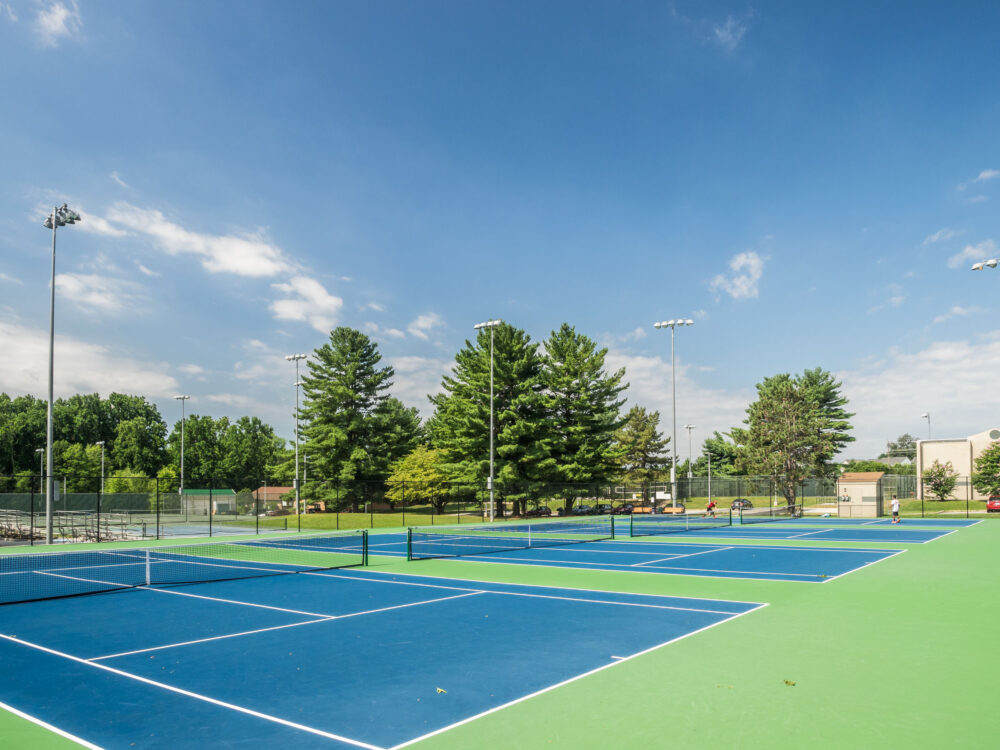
{"points": [[993, 504], [540, 511], [740, 502], [582, 510], [624, 509], [603, 509]]}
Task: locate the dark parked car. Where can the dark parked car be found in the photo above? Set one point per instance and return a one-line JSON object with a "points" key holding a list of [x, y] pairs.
{"points": [[993, 504], [603, 509], [740, 502], [582, 510], [540, 511], [624, 509]]}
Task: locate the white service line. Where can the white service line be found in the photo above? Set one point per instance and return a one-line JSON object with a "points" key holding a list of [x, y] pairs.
{"points": [[618, 660], [190, 694], [678, 557], [808, 533], [46, 725]]}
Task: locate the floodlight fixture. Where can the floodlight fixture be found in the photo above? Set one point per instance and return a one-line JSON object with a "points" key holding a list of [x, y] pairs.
{"points": [[978, 266]]}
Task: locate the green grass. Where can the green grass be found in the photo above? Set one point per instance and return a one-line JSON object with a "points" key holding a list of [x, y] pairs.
{"points": [[896, 655]]}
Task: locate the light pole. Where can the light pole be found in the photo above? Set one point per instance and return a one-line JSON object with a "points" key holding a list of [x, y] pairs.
{"points": [[305, 468], [296, 358], [672, 324], [708, 454], [689, 427], [60, 217], [927, 415], [101, 443], [41, 465], [182, 399], [491, 324]]}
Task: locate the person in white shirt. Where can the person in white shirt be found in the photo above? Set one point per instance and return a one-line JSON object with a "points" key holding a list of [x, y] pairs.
{"points": [[895, 509]]}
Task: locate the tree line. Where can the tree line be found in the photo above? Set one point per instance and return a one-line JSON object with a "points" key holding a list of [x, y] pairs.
{"points": [[558, 411]]}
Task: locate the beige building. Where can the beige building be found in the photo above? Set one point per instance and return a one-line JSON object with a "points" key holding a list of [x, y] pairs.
{"points": [[962, 452], [859, 494]]}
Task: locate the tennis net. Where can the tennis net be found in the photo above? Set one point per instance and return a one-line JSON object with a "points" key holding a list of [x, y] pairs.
{"points": [[766, 515], [655, 525], [51, 575], [465, 541]]}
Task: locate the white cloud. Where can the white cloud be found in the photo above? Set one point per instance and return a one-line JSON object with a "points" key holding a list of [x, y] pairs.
{"points": [[957, 312], [80, 366], [987, 174], [246, 255], [146, 271], [6, 9], [747, 269], [424, 324], [118, 178], [374, 306], [97, 291], [417, 378], [191, 369], [708, 408], [729, 34], [977, 199], [974, 253], [10, 279], [311, 303], [942, 235], [953, 380], [231, 399], [635, 335], [94, 224], [395, 333], [57, 21], [263, 365]]}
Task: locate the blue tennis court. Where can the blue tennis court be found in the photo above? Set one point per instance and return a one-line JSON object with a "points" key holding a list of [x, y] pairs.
{"points": [[340, 659], [784, 563], [932, 522], [791, 530]]}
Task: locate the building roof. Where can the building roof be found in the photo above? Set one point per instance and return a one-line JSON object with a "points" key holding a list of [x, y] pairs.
{"points": [[861, 476]]}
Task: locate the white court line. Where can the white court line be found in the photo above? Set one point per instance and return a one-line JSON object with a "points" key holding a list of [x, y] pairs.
{"points": [[46, 725], [523, 698], [369, 576], [808, 533], [860, 567], [328, 618], [678, 557], [190, 694]]}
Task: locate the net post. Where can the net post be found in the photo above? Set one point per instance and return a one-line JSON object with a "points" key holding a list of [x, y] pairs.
{"points": [[409, 544], [631, 525], [364, 547], [149, 577], [612, 527]]}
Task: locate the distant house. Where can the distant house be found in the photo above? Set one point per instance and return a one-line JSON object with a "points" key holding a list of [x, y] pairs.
{"points": [[280, 497], [894, 460]]}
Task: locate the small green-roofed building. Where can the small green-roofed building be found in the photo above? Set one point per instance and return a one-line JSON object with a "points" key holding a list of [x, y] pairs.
{"points": [[197, 502]]}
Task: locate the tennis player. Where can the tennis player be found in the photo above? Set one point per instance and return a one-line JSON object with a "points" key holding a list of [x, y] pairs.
{"points": [[895, 509], [710, 508]]}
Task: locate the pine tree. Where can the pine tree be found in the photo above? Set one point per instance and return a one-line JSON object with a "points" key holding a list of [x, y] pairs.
{"points": [[582, 401], [460, 425], [642, 448], [353, 428]]}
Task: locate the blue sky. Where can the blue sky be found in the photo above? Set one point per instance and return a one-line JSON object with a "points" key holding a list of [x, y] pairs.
{"points": [[809, 184]]}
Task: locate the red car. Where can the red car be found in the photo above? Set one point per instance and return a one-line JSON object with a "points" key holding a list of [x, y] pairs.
{"points": [[993, 504]]}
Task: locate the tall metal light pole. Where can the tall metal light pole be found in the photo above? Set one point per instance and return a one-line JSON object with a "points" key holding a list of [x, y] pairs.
{"points": [[60, 217], [101, 443], [305, 468], [296, 358], [690, 427], [708, 454], [180, 490], [672, 324], [927, 415], [41, 465], [491, 324]]}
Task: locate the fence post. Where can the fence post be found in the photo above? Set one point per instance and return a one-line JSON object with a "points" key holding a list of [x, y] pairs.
{"points": [[211, 505], [156, 509], [31, 514], [98, 534], [256, 511]]}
